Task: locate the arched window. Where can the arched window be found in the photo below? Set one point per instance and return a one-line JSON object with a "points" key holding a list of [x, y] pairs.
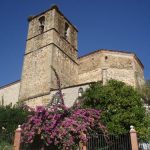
{"points": [[66, 32], [42, 23], [80, 92]]}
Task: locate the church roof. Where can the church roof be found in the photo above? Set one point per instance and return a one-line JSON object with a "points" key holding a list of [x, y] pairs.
{"points": [[115, 51]]}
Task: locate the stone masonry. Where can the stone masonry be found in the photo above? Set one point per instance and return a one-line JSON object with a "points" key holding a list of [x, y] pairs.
{"points": [[51, 47], [52, 42], [103, 65]]}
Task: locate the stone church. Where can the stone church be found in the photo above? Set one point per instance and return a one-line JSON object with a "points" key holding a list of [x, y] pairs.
{"points": [[52, 42]]}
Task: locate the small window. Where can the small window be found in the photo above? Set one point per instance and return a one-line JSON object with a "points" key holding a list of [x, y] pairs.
{"points": [[106, 57], [66, 32], [80, 92], [56, 99], [42, 23]]}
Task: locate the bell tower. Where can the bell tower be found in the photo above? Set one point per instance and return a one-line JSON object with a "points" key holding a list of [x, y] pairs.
{"points": [[51, 41]]}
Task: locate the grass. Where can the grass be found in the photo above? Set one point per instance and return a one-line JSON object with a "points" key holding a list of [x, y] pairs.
{"points": [[5, 146]]}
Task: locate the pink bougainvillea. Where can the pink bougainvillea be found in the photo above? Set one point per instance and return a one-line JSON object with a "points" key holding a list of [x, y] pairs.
{"points": [[62, 126]]}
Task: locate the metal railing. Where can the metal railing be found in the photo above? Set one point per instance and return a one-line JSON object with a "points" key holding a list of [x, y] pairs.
{"points": [[144, 146], [98, 142]]}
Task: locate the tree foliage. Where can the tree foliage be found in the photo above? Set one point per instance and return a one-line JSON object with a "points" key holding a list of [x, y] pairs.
{"points": [[121, 107], [11, 117]]}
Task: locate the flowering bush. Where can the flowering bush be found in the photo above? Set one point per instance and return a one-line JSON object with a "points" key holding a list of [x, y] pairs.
{"points": [[61, 126]]}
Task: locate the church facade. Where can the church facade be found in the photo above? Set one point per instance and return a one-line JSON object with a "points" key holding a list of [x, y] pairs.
{"points": [[52, 42]]}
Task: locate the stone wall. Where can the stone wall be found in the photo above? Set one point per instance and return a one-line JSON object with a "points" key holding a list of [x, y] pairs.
{"points": [[59, 25], [66, 47], [103, 65], [38, 101], [34, 24], [40, 41], [10, 93], [52, 41], [139, 73], [65, 67], [90, 68], [123, 75], [55, 45], [36, 74], [70, 95], [119, 66]]}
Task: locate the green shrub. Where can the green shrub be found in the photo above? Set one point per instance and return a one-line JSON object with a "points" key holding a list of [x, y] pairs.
{"points": [[11, 117], [121, 107]]}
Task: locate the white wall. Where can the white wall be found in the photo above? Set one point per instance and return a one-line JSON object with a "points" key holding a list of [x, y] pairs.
{"points": [[70, 94], [10, 93]]}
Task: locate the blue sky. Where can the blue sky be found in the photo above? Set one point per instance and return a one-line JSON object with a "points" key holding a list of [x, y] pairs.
{"points": [[109, 24]]}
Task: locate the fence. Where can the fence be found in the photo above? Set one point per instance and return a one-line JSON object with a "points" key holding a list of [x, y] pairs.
{"points": [[98, 142], [144, 146]]}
